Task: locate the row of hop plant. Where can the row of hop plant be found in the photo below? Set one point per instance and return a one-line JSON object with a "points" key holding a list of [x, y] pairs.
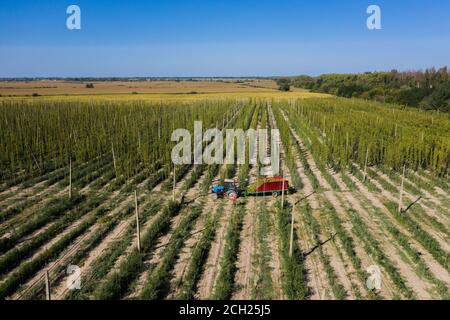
{"points": [[429, 243], [417, 260], [37, 291], [293, 269], [89, 211], [13, 207], [291, 149], [57, 209], [102, 265], [263, 284], [158, 283], [43, 135], [422, 236], [117, 284], [13, 258], [294, 275], [158, 280], [26, 270], [312, 223], [250, 122], [346, 130], [188, 283], [348, 245], [370, 244], [417, 213], [54, 210], [304, 133], [315, 228], [224, 285], [27, 249], [373, 247], [92, 203], [50, 178], [105, 225]]}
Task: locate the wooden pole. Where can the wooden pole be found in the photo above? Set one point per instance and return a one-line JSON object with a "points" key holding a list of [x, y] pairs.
{"points": [[174, 181], [291, 241], [47, 286], [70, 178], [138, 232], [334, 131], [282, 192], [365, 164], [114, 158], [346, 146], [400, 197]]}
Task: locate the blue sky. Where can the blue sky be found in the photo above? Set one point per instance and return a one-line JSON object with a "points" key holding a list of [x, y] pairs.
{"points": [[220, 38]]}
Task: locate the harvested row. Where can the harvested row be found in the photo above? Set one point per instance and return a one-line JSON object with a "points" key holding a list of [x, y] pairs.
{"points": [[309, 231], [329, 195], [91, 220], [57, 228], [415, 282], [130, 267]]}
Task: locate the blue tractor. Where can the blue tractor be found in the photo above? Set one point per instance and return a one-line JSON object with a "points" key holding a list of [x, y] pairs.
{"points": [[226, 188]]}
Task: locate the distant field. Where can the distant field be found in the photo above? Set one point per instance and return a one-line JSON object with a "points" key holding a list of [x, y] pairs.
{"points": [[148, 90], [14, 88], [182, 97]]}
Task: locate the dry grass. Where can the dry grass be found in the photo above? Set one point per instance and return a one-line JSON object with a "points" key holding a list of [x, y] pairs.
{"points": [[148, 90], [61, 87]]}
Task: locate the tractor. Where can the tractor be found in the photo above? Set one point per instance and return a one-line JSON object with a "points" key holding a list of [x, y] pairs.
{"points": [[274, 186], [226, 188]]}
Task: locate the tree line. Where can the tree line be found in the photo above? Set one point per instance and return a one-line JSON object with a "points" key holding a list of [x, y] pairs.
{"points": [[429, 89]]}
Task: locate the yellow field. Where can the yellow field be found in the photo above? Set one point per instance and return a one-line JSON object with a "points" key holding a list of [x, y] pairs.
{"points": [[173, 97], [61, 87], [148, 90]]}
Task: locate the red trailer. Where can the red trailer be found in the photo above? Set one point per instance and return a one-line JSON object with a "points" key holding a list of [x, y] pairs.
{"points": [[273, 185]]}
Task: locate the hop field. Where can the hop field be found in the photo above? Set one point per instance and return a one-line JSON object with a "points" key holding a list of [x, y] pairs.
{"points": [[371, 181]]}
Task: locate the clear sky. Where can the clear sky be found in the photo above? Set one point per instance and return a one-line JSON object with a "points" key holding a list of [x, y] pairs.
{"points": [[220, 37]]}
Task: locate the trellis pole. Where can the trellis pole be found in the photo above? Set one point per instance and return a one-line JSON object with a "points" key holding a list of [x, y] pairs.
{"points": [[70, 178], [47, 286], [174, 182], [114, 158], [365, 164], [291, 241], [400, 197], [174, 179], [282, 192], [138, 231]]}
